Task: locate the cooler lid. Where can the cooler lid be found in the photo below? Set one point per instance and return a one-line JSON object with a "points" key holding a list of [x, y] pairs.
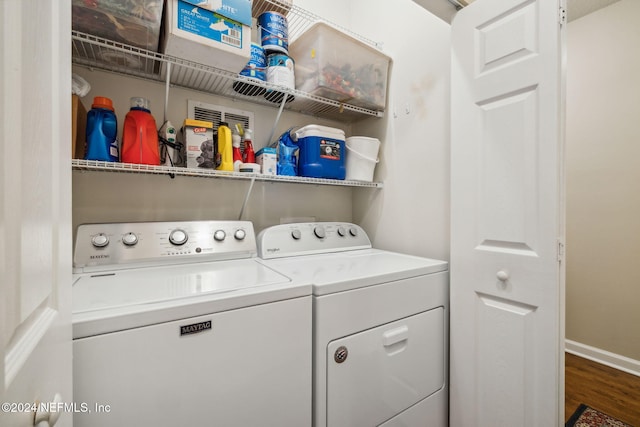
{"points": [[319, 131]]}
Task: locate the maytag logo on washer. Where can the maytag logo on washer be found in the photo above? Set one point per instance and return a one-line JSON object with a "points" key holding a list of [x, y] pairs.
{"points": [[195, 328], [273, 250]]}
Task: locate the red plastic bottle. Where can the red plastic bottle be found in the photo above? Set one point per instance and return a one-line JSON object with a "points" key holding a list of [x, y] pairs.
{"points": [[249, 156], [140, 135]]}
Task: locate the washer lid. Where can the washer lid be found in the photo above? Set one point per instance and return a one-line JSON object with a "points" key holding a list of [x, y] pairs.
{"points": [[337, 272], [107, 302]]}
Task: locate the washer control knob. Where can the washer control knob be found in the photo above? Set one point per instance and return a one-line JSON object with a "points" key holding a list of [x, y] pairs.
{"points": [[178, 237], [296, 234], [100, 240], [319, 232], [353, 231], [341, 231], [130, 239], [240, 234], [219, 235]]}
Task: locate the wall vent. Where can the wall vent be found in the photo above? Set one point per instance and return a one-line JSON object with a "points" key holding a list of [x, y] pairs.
{"points": [[217, 113]]}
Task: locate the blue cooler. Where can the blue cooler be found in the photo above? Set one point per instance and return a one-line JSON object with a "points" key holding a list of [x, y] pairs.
{"points": [[322, 152]]}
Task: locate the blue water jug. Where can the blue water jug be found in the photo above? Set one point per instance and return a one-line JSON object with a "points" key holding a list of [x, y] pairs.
{"points": [[102, 129]]}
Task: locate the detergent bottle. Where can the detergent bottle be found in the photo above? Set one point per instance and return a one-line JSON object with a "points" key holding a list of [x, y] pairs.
{"points": [[225, 147], [140, 135], [102, 130]]}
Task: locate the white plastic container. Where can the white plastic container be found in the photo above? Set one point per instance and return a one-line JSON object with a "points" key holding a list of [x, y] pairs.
{"points": [[362, 157]]}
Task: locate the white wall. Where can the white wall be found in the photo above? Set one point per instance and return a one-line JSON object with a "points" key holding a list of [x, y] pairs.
{"points": [[603, 179], [411, 213]]}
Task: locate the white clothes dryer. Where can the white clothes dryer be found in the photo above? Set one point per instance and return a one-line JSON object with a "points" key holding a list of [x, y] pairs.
{"points": [[176, 324], [380, 325]]}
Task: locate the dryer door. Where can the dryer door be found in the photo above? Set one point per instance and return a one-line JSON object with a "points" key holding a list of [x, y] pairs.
{"points": [[376, 374]]}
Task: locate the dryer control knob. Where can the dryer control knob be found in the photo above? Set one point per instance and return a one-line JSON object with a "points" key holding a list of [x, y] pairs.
{"points": [[341, 354], [353, 231], [178, 237], [341, 231], [319, 232], [219, 235], [296, 234], [100, 240], [240, 234], [130, 239]]}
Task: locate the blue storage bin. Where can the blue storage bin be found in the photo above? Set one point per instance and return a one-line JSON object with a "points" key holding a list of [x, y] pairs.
{"points": [[322, 152]]}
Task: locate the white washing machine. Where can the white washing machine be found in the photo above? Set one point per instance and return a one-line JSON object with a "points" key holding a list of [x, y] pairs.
{"points": [[380, 325], [178, 324]]}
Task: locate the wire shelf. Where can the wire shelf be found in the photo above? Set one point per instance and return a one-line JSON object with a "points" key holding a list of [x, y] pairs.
{"points": [[95, 52], [95, 165]]}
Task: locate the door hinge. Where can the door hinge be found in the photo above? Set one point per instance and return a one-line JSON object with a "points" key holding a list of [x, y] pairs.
{"points": [[560, 251], [562, 15]]}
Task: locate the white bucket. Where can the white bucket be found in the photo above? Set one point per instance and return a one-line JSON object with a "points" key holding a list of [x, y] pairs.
{"points": [[361, 158]]}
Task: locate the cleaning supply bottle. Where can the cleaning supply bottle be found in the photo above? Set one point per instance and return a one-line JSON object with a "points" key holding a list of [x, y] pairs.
{"points": [[102, 129], [237, 154], [140, 135], [225, 147], [249, 156]]}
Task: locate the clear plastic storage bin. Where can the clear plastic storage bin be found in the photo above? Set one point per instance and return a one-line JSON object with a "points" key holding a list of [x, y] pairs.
{"points": [[334, 65]]}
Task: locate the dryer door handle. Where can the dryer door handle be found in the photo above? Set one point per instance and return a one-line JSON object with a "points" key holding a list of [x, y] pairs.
{"points": [[395, 336]]}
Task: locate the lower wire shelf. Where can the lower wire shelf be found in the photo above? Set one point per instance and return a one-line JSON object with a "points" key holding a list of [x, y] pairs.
{"points": [[95, 165]]}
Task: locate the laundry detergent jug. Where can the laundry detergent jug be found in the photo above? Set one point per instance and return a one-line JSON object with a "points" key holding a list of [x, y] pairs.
{"points": [[140, 135]]}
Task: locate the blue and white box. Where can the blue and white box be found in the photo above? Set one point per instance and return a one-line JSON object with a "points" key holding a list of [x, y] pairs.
{"points": [[205, 37], [238, 10], [267, 159]]}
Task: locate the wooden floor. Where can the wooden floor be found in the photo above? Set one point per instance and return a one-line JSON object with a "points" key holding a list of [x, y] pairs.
{"points": [[609, 390]]}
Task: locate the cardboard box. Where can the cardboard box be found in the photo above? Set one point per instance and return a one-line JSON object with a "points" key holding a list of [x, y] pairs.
{"points": [[78, 128], [133, 23], [197, 136], [334, 65], [202, 36], [237, 10], [267, 159]]}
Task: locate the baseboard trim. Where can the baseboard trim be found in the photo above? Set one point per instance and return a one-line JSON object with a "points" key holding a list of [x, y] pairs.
{"points": [[604, 357]]}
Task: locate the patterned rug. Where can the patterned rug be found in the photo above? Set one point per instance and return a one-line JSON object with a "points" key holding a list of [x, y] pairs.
{"points": [[589, 417]]}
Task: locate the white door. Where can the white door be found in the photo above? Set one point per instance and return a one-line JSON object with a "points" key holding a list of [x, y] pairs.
{"points": [[35, 209], [507, 279]]}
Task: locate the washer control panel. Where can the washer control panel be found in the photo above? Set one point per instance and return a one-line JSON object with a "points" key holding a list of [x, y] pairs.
{"points": [[100, 247], [310, 238]]}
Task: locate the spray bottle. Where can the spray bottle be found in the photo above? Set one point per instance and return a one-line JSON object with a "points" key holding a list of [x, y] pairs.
{"points": [[237, 154], [249, 156]]}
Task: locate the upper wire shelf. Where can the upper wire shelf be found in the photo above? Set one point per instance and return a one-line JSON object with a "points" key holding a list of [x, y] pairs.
{"points": [[96, 52]]}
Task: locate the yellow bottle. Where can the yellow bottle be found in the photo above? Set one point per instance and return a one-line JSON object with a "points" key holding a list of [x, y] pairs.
{"points": [[225, 148]]}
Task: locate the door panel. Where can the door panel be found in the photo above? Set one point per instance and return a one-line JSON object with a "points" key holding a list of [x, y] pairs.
{"points": [[35, 207], [506, 215]]}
